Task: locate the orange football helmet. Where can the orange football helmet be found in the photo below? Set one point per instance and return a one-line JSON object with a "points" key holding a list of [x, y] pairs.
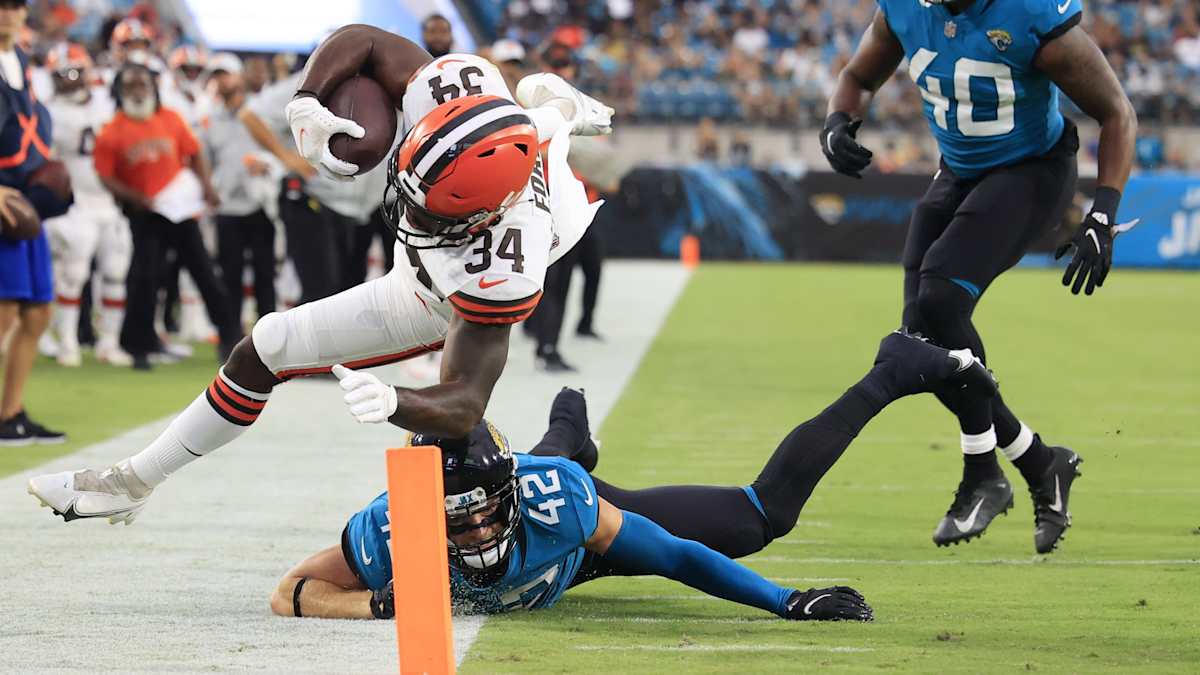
{"points": [[458, 170], [68, 56], [127, 31]]}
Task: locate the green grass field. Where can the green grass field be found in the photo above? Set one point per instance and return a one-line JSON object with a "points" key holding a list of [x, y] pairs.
{"points": [[750, 351], [69, 399]]}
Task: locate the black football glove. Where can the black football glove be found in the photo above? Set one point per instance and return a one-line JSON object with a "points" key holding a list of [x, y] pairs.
{"points": [[844, 153], [1093, 244], [383, 604], [839, 603]]}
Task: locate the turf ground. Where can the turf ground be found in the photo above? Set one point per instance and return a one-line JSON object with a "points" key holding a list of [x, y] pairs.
{"points": [[750, 351], [71, 400]]}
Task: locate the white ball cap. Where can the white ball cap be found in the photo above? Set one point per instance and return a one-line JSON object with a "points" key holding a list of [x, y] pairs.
{"points": [[225, 61], [507, 50]]}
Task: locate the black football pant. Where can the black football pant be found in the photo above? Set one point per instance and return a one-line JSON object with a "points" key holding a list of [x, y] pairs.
{"points": [[237, 236], [963, 234], [360, 246], [319, 242], [591, 261], [547, 319], [732, 520], [153, 237]]}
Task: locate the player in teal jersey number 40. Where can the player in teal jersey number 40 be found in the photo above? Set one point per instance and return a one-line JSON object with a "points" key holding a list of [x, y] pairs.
{"points": [[523, 529], [989, 72]]}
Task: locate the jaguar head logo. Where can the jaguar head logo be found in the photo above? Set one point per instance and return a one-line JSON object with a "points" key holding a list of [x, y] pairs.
{"points": [[1000, 39]]}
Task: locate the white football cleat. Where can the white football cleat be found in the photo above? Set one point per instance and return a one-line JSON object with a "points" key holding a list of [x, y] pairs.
{"points": [[92, 494], [113, 355], [69, 357], [588, 117]]}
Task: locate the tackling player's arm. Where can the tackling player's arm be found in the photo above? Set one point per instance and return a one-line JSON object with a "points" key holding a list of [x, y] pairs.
{"points": [[1074, 62], [323, 586], [876, 58], [638, 545]]}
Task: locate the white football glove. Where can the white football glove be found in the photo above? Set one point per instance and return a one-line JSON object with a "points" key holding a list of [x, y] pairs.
{"points": [[370, 400], [312, 127], [588, 117]]}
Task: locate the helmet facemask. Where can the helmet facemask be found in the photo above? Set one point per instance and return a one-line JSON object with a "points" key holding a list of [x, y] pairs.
{"points": [[428, 229], [484, 560]]}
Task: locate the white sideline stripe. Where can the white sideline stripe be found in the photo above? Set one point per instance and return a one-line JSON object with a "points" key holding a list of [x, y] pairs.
{"points": [[671, 282], [1037, 560], [659, 619], [722, 648], [818, 580]]}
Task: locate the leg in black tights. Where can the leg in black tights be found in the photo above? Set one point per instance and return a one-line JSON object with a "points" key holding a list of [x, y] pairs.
{"points": [[741, 521]]}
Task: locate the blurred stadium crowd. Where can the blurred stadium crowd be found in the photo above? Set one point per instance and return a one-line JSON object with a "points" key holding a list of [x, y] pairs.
{"points": [[773, 62], [740, 64]]}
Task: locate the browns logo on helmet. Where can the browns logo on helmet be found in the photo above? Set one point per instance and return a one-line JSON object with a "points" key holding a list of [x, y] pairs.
{"points": [[70, 67], [458, 170]]}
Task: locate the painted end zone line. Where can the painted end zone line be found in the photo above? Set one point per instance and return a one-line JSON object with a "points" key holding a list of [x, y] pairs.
{"points": [[722, 648], [1036, 560]]}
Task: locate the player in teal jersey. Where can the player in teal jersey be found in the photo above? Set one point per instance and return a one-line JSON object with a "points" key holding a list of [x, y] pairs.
{"points": [[989, 72], [522, 529]]}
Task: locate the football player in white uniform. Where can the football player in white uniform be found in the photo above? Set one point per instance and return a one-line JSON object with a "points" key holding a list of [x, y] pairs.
{"points": [[479, 219], [94, 228]]}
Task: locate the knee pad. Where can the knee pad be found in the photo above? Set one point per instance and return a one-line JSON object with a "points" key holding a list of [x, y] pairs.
{"points": [[70, 276], [942, 303], [270, 335]]}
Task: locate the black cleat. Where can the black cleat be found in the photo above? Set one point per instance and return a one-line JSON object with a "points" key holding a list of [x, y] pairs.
{"points": [[916, 365], [571, 406], [1050, 515], [552, 362], [975, 505]]}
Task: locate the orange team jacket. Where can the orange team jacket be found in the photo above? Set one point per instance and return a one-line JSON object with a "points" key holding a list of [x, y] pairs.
{"points": [[144, 154]]}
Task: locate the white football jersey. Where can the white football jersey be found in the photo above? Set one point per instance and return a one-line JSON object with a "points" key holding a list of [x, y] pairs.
{"points": [[497, 277], [74, 139]]}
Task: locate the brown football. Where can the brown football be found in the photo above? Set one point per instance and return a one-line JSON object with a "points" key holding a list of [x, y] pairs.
{"points": [[53, 175], [363, 100], [27, 223]]}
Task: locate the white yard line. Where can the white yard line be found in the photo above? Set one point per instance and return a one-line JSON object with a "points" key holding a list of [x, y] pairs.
{"points": [[186, 587], [1036, 560], [722, 648]]}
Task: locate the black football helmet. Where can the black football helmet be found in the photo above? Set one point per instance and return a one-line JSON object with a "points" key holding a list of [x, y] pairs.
{"points": [[479, 476]]}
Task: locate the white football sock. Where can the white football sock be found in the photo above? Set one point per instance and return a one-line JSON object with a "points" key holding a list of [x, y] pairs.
{"points": [[219, 415], [66, 323], [1019, 445], [977, 444], [112, 312]]}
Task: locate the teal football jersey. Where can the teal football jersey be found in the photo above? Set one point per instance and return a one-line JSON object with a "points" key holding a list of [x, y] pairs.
{"points": [[985, 102]]}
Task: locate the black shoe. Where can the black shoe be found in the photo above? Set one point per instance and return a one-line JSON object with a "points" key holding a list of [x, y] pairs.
{"points": [[15, 433], [589, 334], [916, 365], [1050, 493], [552, 362], [571, 406], [41, 435], [142, 362], [976, 503]]}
